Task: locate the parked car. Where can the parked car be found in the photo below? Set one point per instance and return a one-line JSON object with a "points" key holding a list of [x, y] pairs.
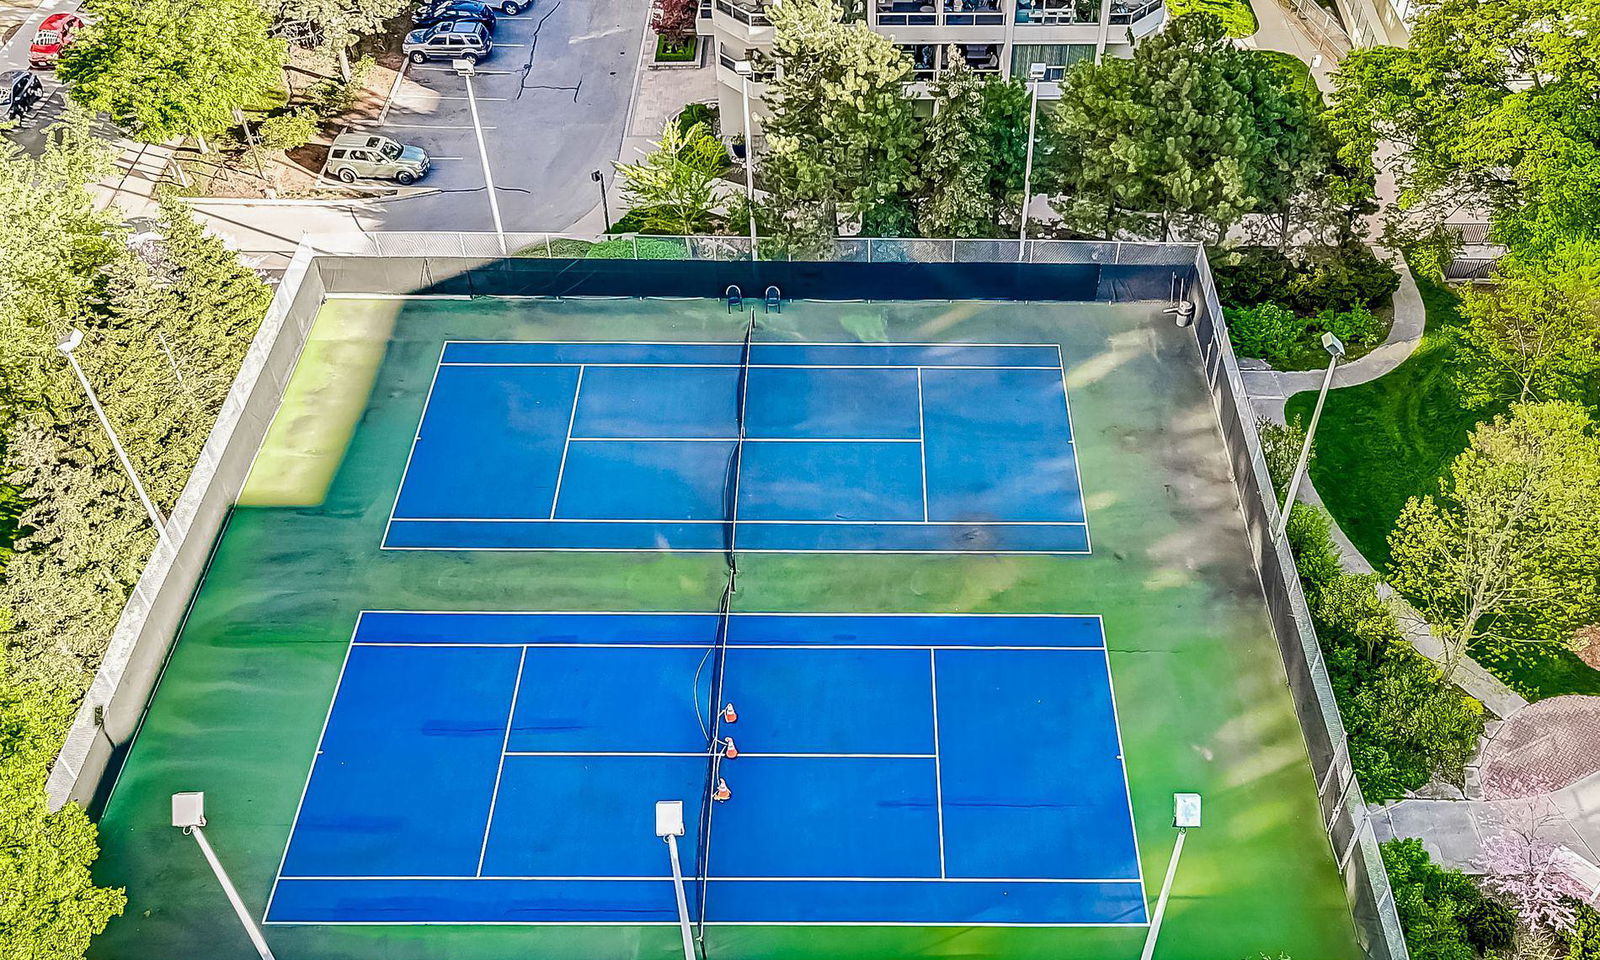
{"points": [[55, 34], [457, 40], [19, 92], [354, 155], [444, 11]]}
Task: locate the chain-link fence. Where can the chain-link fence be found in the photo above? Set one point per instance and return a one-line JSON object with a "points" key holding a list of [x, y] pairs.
{"points": [[1344, 811], [406, 263]]}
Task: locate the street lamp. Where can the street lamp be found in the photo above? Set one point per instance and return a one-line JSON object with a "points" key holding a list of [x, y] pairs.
{"points": [[669, 827], [1035, 75], [189, 815], [1335, 349], [745, 69], [66, 345], [605, 211], [1185, 814], [467, 70]]}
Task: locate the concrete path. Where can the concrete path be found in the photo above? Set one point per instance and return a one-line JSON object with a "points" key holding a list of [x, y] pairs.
{"points": [[1280, 29], [1268, 388], [1454, 831]]}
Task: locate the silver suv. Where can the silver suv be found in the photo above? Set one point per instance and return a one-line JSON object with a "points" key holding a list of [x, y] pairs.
{"points": [[455, 40], [369, 155]]}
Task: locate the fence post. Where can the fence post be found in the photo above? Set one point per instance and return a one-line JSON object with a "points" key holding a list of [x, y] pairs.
{"points": [[636, 256], [549, 251]]}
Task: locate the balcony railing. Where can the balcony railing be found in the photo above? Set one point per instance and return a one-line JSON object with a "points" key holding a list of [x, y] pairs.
{"points": [[907, 13], [962, 13], [1123, 13], [751, 15], [1057, 12]]}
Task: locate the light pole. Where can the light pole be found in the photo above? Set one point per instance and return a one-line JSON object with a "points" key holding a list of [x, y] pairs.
{"points": [[1335, 349], [746, 70], [1185, 814], [66, 345], [605, 211], [189, 815], [1035, 74], [669, 827], [467, 70]]}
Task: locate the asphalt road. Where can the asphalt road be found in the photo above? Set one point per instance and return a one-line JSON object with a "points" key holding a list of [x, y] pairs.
{"points": [[553, 100]]}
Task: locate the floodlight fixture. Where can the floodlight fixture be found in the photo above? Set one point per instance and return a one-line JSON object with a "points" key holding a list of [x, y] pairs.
{"points": [[1333, 345], [1185, 810], [1036, 71], [669, 818], [464, 67], [188, 810], [743, 68]]}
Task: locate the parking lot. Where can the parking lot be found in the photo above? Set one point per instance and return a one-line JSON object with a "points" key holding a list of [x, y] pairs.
{"points": [[553, 100]]}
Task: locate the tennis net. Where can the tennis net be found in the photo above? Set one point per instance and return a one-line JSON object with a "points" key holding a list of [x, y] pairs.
{"points": [[715, 747]]}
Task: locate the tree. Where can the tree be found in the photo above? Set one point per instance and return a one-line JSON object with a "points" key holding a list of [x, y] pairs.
{"points": [[1535, 334], [1509, 550], [54, 245], [676, 186], [842, 138], [341, 22], [674, 18], [1184, 137], [955, 162], [167, 68], [51, 905], [1492, 105], [1523, 865]]}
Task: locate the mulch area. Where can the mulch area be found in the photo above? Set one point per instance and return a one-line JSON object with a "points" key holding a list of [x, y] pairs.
{"points": [[1549, 745]]}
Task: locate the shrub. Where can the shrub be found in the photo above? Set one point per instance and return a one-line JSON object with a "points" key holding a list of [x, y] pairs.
{"points": [[287, 131], [1583, 943], [1336, 277], [1491, 925], [331, 97], [1246, 276], [1310, 536], [1280, 447], [1268, 331], [1431, 901], [1356, 325], [1309, 282], [694, 113]]}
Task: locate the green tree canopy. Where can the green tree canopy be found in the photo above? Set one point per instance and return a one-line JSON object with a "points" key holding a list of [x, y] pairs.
{"points": [[1186, 137], [166, 68], [1494, 106], [1535, 333], [50, 907], [676, 186], [1509, 550], [956, 166], [843, 140]]}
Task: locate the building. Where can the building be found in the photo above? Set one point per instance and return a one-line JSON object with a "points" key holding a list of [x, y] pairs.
{"points": [[1002, 37]]}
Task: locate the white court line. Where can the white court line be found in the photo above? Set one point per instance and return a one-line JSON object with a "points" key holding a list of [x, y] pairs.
{"points": [[720, 879], [294, 823], [674, 923], [416, 438], [535, 644], [922, 438], [1077, 466], [479, 99], [494, 797], [437, 126], [700, 754], [740, 614], [781, 522], [746, 439], [938, 777], [792, 551], [1122, 761], [561, 471], [737, 366], [771, 344]]}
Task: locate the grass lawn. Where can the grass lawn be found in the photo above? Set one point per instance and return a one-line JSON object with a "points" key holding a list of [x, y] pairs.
{"points": [[1236, 15], [671, 50], [1381, 443]]}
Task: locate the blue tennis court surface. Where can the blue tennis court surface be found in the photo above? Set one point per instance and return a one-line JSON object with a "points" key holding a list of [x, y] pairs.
{"points": [[917, 769], [862, 447]]}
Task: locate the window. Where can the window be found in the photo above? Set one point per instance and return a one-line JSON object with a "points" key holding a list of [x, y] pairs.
{"points": [[1057, 58]]}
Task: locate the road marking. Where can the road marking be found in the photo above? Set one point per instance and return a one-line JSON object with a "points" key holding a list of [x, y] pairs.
{"points": [[394, 89], [435, 126]]}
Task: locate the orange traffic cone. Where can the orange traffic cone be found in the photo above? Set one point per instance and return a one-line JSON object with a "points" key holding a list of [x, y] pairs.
{"points": [[722, 792], [728, 749], [728, 714]]}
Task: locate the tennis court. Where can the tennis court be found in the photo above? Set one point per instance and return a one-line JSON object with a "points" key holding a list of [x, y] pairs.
{"points": [[452, 746], [846, 447], [503, 768]]}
